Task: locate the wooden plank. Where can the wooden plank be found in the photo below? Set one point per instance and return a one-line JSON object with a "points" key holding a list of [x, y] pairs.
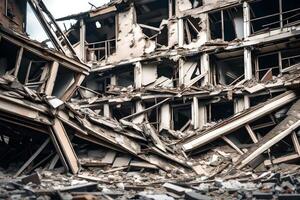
{"points": [[296, 142], [266, 145], [109, 157], [282, 159], [142, 164], [239, 121], [38, 151], [251, 133], [52, 77], [18, 61], [65, 145], [230, 143], [53, 162], [268, 76], [121, 161]]}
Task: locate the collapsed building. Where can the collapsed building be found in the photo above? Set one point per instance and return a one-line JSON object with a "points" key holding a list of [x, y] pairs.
{"points": [[198, 89]]}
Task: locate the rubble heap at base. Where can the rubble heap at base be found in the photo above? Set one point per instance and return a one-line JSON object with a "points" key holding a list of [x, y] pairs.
{"points": [[152, 99]]}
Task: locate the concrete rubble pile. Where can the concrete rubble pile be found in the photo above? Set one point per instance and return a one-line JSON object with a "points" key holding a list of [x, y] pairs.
{"points": [[152, 99]]}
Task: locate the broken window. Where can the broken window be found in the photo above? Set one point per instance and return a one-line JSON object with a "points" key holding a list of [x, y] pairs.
{"points": [[271, 14], [290, 57], [152, 17], [271, 64], [101, 37], [96, 82], [125, 78], [122, 110], [7, 57], [181, 115], [191, 29], [228, 71], [64, 79], [227, 24], [167, 71], [153, 115], [268, 65], [220, 111]]}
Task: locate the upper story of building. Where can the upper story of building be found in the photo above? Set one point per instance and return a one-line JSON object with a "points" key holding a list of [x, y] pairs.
{"points": [[124, 31]]}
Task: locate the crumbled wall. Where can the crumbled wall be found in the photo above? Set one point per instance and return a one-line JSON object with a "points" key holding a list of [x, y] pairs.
{"points": [[131, 42]]}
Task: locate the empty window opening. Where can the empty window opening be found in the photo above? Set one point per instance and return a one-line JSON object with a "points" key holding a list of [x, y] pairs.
{"points": [[220, 111], [290, 12], [101, 37], [122, 110], [168, 69], [7, 57], [64, 79], [153, 115], [271, 14], [228, 71], [191, 29], [227, 24], [290, 57], [31, 71], [268, 66], [181, 115], [125, 77], [96, 83], [150, 16]]}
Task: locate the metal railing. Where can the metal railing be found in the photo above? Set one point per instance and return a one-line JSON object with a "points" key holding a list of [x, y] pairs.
{"points": [[99, 51], [282, 21]]}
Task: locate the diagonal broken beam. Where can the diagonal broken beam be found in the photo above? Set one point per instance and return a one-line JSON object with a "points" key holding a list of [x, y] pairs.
{"points": [[65, 145], [283, 129], [239, 121]]}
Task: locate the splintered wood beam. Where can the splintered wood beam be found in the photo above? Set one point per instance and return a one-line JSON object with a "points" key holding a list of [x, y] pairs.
{"points": [[52, 77], [18, 61], [251, 133], [238, 121], [230, 143], [266, 145], [282, 159], [65, 145], [146, 110], [296, 142], [53, 162], [188, 33], [70, 91], [27, 163]]}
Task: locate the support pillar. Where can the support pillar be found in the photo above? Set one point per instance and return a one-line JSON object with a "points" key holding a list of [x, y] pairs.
{"points": [[82, 40], [106, 111], [138, 76], [138, 108], [165, 116], [180, 33]]}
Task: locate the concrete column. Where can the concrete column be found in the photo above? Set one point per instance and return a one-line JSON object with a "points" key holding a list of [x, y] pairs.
{"points": [[165, 116], [138, 76], [181, 72], [205, 67], [138, 108], [247, 24], [180, 33], [106, 111], [82, 40], [113, 80]]}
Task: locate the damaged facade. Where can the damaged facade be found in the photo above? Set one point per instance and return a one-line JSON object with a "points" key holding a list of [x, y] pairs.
{"points": [[189, 90]]}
